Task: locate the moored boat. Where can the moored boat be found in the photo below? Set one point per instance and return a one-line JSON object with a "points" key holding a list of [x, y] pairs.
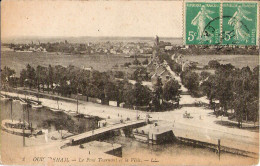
{"points": [[36, 105], [18, 128], [16, 100], [4, 98], [56, 110], [23, 102]]}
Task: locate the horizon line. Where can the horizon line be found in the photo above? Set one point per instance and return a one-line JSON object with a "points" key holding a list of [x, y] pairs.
{"points": [[38, 36]]}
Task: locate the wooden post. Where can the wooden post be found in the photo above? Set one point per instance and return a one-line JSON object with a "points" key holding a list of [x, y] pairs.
{"points": [[28, 113], [77, 100], [31, 128], [23, 129], [152, 138], [148, 138], [12, 109], [219, 148], [58, 103]]}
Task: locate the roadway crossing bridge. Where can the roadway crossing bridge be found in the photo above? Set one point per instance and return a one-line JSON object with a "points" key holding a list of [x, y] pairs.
{"points": [[102, 132]]}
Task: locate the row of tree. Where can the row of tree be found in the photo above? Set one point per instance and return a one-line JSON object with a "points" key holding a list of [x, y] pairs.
{"points": [[235, 89], [70, 80]]}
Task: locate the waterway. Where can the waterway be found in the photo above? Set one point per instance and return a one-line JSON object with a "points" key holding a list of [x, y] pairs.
{"points": [[18, 60], [44, 118]]}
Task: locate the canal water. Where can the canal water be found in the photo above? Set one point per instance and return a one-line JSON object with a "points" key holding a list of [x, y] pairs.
{"points": [[44, 118], [175, 151]]}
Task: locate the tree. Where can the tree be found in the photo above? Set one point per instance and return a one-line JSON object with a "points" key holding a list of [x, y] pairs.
{"points": [[175, 67], [157, 94], [253, 108], [127, 64], [142, 94], [140, 74], [23, 76], [41, 76], [30, 76], [213, 64], [145, 62], [136, 62], [204, 75], [119, 74], [239, 107], [111, 91], [209, 88], [7, 76], [123, 86], [253, 105], [190, 80], [171, 90], [224, 91], [50, 78], [82, 47], [241, 89]]}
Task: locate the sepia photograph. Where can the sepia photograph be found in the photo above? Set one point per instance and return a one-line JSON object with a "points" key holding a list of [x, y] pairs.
{"points": [[120, 82]]}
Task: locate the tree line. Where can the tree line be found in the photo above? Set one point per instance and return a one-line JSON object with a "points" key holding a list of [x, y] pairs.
{"points": [[66, 81], [235, 89]]}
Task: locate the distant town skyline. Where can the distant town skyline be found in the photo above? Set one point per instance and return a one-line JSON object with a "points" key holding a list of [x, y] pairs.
{"points": [[91, 18]]}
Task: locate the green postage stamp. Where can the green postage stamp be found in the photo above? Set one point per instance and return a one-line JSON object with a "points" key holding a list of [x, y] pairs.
{"points": [[221, 23], [239, 23], [202, 23]]}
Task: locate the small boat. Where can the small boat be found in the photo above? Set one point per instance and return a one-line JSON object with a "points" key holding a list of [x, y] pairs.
{"points": [[71, 113], [78, 115], [36, 105], [16, 100], [68, 112], [56, 110], [18, 128], [4, 98], [90, 117], [23, 102]]}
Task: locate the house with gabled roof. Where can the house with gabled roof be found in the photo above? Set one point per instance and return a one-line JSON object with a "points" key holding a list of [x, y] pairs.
{"points": [[163, 73]]}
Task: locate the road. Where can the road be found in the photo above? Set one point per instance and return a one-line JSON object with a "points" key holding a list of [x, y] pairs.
{"points": [[203, 125]]}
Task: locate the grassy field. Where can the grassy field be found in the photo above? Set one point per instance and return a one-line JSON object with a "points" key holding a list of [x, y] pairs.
{"points": [[236, 60], [19, 60]]}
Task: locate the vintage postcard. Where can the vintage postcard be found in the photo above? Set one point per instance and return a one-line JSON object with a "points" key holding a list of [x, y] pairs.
{"points": [[129, 82]]}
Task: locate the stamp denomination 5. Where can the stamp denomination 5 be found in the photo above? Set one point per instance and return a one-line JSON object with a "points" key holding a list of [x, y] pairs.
{"points": [[236, 21]]}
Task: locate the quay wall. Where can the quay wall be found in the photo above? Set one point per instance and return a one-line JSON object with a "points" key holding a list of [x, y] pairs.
{"points": [[218, 148]]}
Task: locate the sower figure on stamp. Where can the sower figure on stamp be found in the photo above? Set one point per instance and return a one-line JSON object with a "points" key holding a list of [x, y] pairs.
{"points": [[235, 21], [200, 20]]}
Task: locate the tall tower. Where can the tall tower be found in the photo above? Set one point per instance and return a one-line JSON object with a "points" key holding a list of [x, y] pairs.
{"points": [[156, 46], [156, 42]]}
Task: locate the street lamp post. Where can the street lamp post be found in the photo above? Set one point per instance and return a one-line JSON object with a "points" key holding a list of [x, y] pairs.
{"points": [[28, 114], [23, 129], [11, 109], [77, 100]]}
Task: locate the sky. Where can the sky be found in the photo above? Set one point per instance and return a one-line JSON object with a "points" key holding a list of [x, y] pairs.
{"points": [[91, 18]]}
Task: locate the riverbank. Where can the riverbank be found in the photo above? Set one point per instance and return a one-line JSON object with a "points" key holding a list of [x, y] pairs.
{"points": [[39, 152], [202, 127]]}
